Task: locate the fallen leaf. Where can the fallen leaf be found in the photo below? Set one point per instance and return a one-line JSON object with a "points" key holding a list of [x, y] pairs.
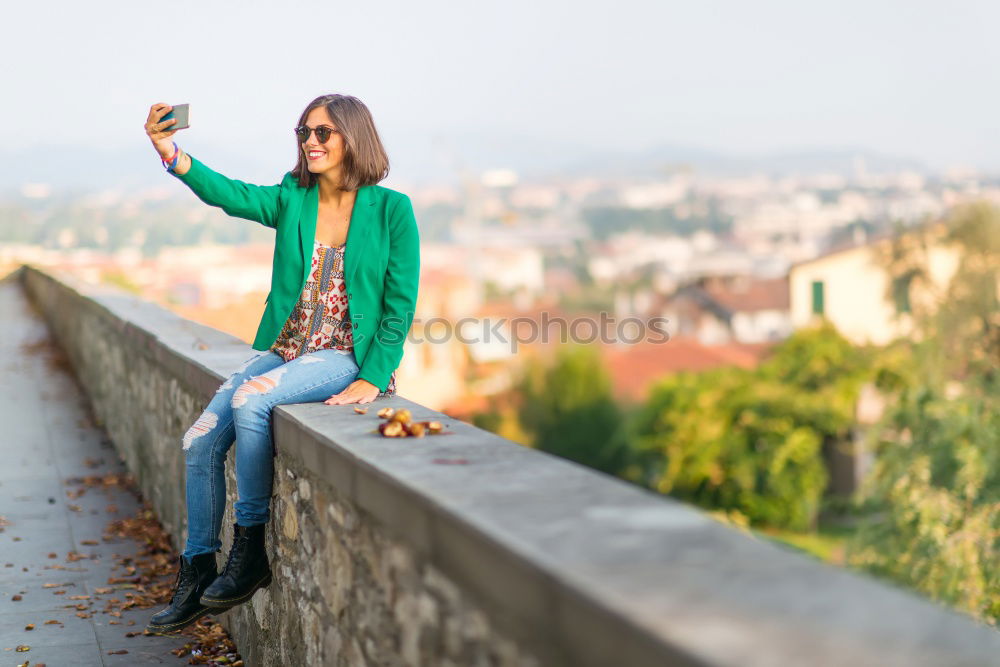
{"points": [[153, 569]]}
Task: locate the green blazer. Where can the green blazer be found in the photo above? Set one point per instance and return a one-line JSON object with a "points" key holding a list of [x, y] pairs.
{"points": [[381, 260]]}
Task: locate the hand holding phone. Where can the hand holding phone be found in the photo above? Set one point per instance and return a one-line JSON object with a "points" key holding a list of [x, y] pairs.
{"points": [[182, 113], [160, 131]]}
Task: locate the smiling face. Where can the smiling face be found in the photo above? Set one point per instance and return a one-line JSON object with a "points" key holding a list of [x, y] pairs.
{"points": [[322, 157]]}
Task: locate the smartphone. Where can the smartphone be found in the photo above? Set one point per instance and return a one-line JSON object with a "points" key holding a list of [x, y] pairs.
{"points": [[180, 112]]}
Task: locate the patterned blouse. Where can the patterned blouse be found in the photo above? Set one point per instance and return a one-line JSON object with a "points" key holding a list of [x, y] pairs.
{"points": [[320, 319]]}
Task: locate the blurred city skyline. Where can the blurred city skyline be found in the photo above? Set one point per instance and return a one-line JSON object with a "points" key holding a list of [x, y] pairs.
{"points": [[546, 85]]}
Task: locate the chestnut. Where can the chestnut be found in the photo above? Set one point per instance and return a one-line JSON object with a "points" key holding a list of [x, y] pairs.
{"points": [[402, 415], [392, 429]]}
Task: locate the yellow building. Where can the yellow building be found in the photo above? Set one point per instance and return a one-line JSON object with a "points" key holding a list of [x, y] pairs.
{"points": [[853, 288]]}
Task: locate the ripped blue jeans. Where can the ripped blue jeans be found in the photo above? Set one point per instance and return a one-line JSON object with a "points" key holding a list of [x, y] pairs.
{"points": [[241, 411]]}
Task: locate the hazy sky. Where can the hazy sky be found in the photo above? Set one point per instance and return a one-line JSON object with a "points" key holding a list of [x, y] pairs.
{"points": [[913, 78]]}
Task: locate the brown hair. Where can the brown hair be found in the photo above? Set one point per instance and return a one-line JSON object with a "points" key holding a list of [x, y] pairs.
{"points": [[365, 161]]}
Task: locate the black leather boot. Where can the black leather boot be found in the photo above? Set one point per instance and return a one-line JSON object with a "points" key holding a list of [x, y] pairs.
{"points": [[246, 570], [193, 577]]}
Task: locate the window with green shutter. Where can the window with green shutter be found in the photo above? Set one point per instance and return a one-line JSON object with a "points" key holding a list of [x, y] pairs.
{"points": [[901, 292], [817, 297]]}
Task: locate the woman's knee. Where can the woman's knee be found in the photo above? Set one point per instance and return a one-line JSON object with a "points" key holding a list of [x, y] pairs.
{"points": [[211, 434], [198, 439], [252, 395]]}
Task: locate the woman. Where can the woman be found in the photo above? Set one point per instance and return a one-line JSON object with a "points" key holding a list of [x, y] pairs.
{"points": [[343, 292]]}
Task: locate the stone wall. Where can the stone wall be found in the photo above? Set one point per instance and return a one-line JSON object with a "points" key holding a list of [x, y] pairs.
{"points": [[382, 555]]}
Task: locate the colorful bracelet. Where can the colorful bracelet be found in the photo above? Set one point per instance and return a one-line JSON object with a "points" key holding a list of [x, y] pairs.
{"points": [[172, 162]]}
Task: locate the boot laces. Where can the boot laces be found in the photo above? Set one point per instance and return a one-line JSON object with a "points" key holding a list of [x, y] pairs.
{"points": [[239, 548], [186, 577]]}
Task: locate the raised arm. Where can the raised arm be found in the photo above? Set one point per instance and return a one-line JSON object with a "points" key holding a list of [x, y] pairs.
{"points": [[242, 200], [239, 199]]}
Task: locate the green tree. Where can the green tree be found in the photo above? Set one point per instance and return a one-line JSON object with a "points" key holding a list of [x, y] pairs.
{"points": [[752, 440], [933, 497], [570, 411]]}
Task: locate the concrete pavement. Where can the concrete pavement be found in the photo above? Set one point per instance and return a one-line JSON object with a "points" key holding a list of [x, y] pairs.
{"points": [[47, 439]]}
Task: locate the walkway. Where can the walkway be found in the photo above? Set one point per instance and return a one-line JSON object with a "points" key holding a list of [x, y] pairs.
{"points": [[46, 438]]}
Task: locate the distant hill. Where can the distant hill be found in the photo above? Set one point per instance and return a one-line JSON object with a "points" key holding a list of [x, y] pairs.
{"points": [[425, 160], [84, 169], [541, 159], [662, 159]]}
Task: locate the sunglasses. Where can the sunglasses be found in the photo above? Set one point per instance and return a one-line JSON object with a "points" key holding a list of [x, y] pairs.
{"points": [[323, 133]]}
